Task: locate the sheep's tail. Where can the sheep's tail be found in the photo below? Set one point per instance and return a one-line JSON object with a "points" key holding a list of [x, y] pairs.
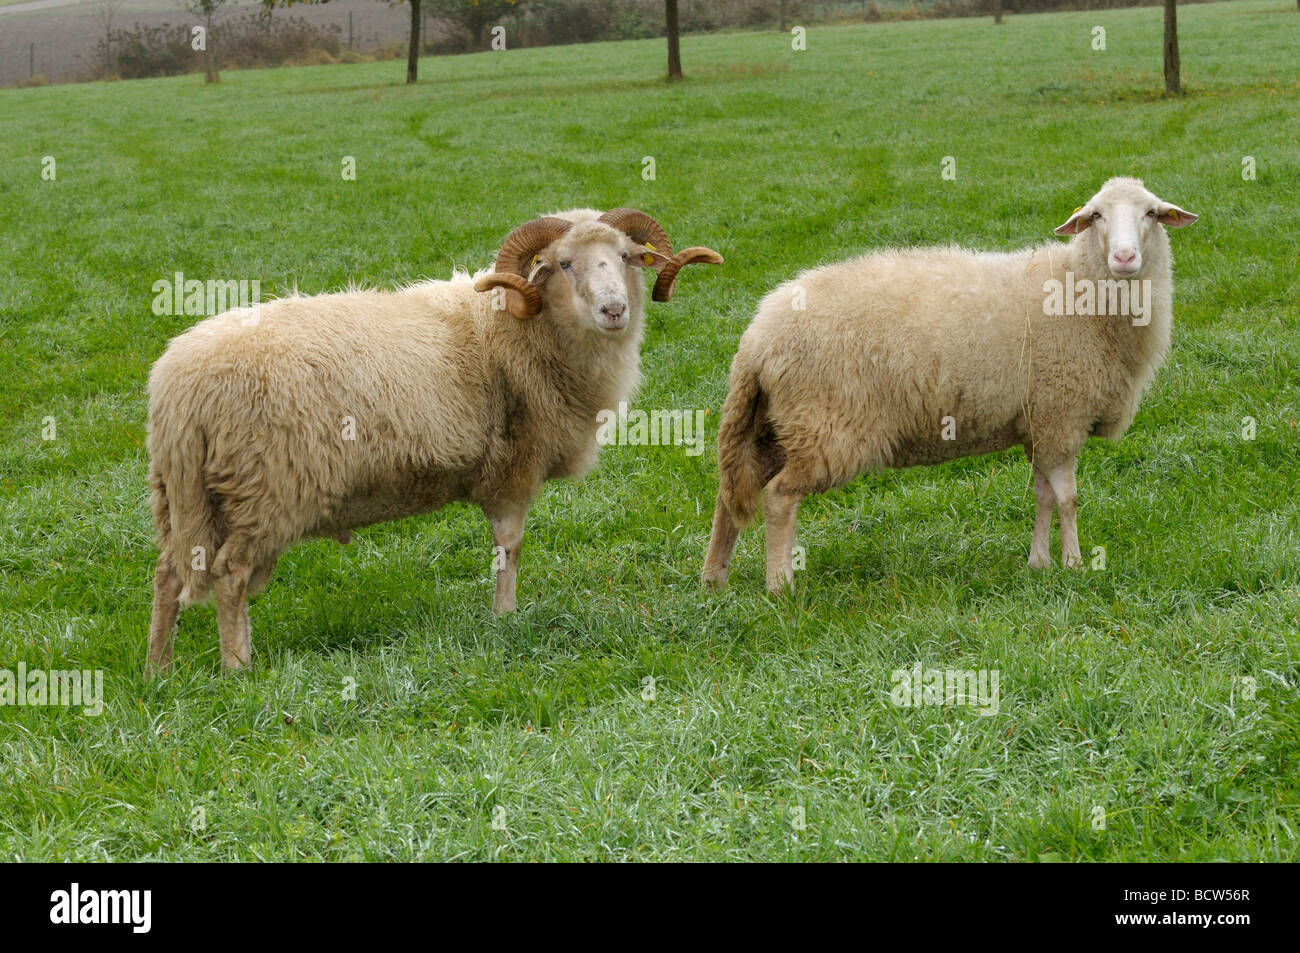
{"points": [[740, 472], [183, 516]]}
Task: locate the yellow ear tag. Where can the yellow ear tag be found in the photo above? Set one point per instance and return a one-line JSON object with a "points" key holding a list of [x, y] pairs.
{"points": [[1173, 218], [648, 259], [1076, 211]]}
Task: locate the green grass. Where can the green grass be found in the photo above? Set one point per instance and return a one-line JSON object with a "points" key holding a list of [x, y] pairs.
{"points": [[1119, 688]]}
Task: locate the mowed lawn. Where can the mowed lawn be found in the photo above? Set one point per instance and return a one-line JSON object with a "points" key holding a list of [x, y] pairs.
{"points": [[1147, 710]]}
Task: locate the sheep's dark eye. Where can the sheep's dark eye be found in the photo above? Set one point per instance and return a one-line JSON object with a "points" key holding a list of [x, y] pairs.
{"points": [[625, 256], [1096, 216], [1151, 213], [566, 265]]}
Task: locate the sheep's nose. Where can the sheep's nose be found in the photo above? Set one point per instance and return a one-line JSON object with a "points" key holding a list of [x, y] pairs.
{"points": [[613, 311], [1125, 256]]}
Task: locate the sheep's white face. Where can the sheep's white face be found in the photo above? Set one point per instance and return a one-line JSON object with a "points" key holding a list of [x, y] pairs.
{"points": [[1123, 215], [586, 275]]}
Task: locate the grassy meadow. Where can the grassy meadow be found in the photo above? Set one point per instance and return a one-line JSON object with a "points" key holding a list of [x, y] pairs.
{"points": [[1157, 695]]}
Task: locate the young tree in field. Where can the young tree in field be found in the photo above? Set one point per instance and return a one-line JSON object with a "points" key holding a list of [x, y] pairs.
{"points": [[105, 13], [674, 41], [997, 10], [413, 48], [1172, 84], [208, 9]]}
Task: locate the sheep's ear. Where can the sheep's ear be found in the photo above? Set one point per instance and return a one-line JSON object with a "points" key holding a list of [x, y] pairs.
{"points": [[647, 256], [1172, 216], [1081, 219]]}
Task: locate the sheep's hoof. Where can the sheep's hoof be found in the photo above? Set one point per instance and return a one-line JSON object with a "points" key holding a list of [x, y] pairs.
{"points": [[780, 584], [504, 606], [714, 579], [1074, 561], [233, 663], [1039, 561]]}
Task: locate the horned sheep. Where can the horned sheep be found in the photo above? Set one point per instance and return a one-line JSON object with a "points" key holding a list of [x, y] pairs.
{"points": [[312, 416]]}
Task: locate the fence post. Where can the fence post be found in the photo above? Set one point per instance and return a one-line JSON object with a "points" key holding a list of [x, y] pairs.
{"points": [[31, 61], [350, 27]]}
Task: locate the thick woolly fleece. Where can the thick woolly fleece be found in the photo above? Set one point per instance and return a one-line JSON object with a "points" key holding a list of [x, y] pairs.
{"points": [[856, 366], [316, 415]]}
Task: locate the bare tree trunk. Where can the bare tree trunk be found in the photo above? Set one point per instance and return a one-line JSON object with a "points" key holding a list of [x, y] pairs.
{"points": [[413, 54], [1172, 84], [105, 13], [210, 74], [781, 8], [674, 46], [997, 10]]}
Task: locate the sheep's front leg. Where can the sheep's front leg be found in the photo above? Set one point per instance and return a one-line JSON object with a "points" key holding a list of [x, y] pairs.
{"points": [[1040, 551], [1067, 499], [507, 536], [782, 508]]}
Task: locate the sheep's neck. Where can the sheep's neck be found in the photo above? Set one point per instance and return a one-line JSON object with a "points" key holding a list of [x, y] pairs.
{"points": [[551, 388], [1141, 346], [579, 377]]}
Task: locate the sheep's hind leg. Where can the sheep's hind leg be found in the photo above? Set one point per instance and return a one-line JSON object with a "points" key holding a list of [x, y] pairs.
{"points": [[782, 508], [1067, 499], [507, 536], [722, 544], [232, 617], [1040, 551], [166, 607]]}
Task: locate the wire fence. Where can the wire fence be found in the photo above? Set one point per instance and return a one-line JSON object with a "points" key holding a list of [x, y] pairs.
{"points": [[67, 43], [67, 40], [41, 61]]}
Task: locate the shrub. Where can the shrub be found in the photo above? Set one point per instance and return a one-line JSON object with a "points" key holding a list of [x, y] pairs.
{"points": [[249, 41]]}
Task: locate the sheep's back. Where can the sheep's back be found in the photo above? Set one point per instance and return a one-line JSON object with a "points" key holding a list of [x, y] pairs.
{"points": [[889, 345], [320, 396]]}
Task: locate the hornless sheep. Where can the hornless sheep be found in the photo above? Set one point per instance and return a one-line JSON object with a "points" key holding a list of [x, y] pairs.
{"points": [[912, 357], [311, 416]]}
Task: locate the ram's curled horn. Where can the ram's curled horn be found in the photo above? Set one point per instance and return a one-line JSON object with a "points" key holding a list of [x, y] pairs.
{"points": [[666, 283], [523, 300], [642, 229], [515, 263]]}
